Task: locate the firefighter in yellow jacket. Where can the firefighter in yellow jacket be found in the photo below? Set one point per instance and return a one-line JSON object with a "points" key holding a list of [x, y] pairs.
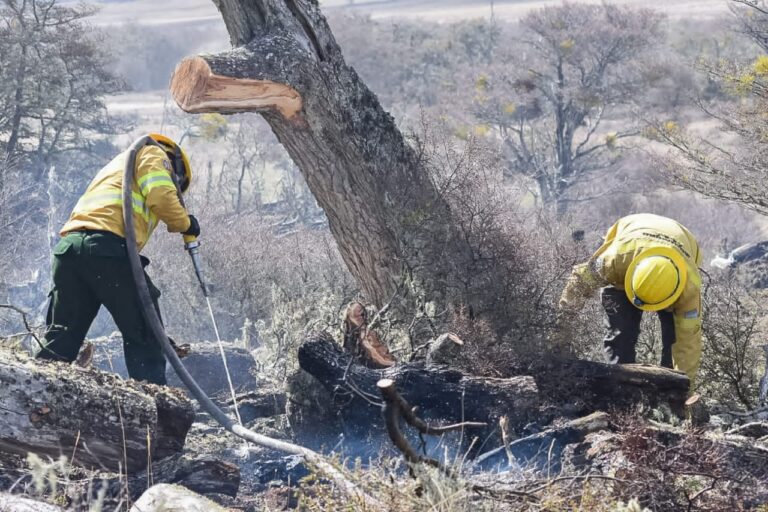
{"points": [[646, 263], [90, 262]]}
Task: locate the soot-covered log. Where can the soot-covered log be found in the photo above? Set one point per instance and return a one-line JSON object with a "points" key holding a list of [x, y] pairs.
{"points": [[93, 418], [440, 394], [588, 386]]}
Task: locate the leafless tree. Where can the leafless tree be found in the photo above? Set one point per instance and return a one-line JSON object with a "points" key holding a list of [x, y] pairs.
{"points": [[53, 75], [574, 66]]}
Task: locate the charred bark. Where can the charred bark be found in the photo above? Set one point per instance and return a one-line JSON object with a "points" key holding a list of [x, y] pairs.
{"points": [[441, 395], [94, 418], [392, 226], [564, 387], [587, 386]]}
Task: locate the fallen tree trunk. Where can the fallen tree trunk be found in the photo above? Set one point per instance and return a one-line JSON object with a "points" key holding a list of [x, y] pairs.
{"points": [[569, 387], [95, 419], [587, 386], [440, 394]]}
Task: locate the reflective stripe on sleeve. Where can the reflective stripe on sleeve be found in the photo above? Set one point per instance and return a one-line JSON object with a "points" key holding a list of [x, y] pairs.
{"points": [[154, 180]]}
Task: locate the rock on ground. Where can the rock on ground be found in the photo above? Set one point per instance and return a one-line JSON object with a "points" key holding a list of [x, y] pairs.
{"points": [[174, 498], [13, 503]]}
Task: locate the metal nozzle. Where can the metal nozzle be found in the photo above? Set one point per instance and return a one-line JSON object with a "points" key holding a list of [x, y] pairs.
{"points": [[193, 248]]}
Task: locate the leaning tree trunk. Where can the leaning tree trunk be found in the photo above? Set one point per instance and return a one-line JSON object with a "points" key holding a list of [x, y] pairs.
{"points": [[391, 224]]}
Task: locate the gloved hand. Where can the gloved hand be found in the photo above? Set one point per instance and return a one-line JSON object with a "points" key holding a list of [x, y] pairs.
{"points": [[194, 227]]}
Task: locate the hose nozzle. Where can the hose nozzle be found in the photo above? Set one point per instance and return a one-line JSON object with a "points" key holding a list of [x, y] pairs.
{"points": [[192, 246]]}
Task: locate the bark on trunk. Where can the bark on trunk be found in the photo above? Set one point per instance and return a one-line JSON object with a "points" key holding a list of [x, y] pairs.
{"points": [[390, 222], [587, 386], [94, 418], [441, 395]]}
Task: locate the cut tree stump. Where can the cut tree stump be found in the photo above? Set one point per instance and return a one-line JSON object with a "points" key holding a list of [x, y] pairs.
{"points": [[440, 394], [92, 417]]}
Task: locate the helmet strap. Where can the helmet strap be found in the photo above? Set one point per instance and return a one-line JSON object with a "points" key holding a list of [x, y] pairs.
{"points": [[179, 170]]}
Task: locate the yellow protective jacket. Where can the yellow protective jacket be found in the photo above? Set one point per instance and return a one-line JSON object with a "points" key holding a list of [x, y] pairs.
{"points": [[154, 198], [608, 266]]}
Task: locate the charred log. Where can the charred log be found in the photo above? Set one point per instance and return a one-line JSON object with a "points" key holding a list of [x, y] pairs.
{"points": [[587, 386], [571, 387], [440, 394], [94, 418]]}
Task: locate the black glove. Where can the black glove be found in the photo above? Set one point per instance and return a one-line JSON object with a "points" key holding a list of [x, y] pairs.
{"points": [[194, 227]]}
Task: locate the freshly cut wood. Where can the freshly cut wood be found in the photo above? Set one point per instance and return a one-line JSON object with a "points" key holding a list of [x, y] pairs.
{"points": [[440, 394], [93, 418], [208, 83]]}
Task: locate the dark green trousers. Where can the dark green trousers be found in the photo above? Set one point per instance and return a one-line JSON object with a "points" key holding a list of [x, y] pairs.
{"points": [[91, 269]]}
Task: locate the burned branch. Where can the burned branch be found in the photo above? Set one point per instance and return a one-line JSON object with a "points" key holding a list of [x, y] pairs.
{"points": [[395, 407]]}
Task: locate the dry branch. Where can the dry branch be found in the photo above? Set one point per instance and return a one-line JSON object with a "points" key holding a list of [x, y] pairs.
{"points": [[571, 432], [395, 407]]}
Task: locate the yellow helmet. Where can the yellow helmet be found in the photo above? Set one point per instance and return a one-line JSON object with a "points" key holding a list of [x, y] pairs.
{"points": [[181, 167], [656, 278]]}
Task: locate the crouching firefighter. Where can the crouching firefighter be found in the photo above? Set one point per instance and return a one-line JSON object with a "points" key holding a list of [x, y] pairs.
{"points": [[646, 263], [90, 263]]}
